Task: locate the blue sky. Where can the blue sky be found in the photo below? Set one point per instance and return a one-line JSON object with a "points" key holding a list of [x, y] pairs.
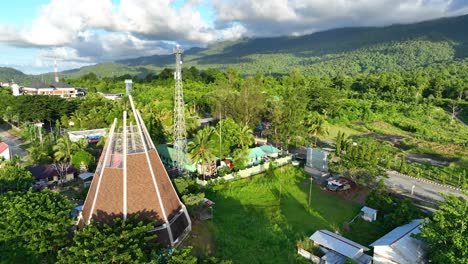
{"points": [[82, 32]]}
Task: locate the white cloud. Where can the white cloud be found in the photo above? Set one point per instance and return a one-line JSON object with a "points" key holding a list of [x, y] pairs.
{"points": [[295, 17], [89, 31]]}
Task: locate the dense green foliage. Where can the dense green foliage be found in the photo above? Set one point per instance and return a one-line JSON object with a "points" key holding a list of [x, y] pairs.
{"points": [[33, 226], [446, 232], [14, 178], [393, 211], [117, 242]]}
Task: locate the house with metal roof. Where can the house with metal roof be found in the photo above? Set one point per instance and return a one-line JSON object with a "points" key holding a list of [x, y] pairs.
{"points": [[270, 150], [398, 246], [338, 249], [55, 88], [256, 155]]}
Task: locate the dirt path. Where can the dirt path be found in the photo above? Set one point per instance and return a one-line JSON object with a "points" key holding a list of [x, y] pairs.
{"points": [[13, 142]]}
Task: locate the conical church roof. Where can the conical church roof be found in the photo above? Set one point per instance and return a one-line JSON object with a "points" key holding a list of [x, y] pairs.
{"points": [[130, 179]]}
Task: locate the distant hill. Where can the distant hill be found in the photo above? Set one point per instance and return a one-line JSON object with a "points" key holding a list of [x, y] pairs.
{"points": [[332, 52], [351, 50]]}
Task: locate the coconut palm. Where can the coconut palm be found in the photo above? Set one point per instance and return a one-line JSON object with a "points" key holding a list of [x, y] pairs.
{"points": [[246, 137], [36, 153], [317, 126], [63, 150], [199, 149], [81, 144]]}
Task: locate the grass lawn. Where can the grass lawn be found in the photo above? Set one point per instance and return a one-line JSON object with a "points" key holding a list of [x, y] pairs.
{"points": [[252, 225]]}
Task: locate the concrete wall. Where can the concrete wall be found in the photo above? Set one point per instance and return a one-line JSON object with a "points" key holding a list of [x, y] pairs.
{"points": [[6, 154], [249, 171]]}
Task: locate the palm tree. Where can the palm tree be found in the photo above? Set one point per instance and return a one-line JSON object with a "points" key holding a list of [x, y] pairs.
{"points": [[317, 126], [81, 144], [199, 149], [63, 150], [246, 137], [36, 153]]}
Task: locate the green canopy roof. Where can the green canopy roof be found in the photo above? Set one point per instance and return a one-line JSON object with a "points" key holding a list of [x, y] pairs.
{"points": [[168, 154], [256, 153], [270, 149]]}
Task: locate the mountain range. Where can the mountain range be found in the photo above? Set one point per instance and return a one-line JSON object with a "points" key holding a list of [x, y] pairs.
{"points": [[331, 52]]}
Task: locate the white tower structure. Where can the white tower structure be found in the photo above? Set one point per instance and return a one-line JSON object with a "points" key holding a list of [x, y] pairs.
{"points": [[56, 71], [180, 133]]}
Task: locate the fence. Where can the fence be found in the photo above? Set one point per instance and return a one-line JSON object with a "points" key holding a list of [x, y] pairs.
{"points": [[249, 171]]}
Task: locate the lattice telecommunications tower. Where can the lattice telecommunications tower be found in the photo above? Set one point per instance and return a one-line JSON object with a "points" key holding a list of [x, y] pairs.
{"points": [[180, 140]]}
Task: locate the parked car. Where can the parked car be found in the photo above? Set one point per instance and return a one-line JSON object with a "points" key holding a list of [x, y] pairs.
{"points": [[39, 185]]}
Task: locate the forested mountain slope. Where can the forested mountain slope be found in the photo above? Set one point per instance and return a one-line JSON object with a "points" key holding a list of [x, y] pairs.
{"points": [[346, 50], [333, 52]]}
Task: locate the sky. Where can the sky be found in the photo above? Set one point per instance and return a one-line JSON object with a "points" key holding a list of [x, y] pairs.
{"points": [[76, 33]]}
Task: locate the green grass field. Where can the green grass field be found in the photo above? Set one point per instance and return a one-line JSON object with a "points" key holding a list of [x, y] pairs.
{"points": [[252, 225]]}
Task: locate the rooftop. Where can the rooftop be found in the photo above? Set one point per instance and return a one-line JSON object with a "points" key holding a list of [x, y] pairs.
{"points": [[398, 233], [338, 243], [3, 147]]}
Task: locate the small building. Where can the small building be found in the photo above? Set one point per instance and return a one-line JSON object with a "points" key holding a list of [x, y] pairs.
{"points": [[50, 173], [92, 136], [61, 89], [369, 214], [87, 178], [317, 159], [168, 154], [256, 155], [5, 151], [337, 248], [398, 246], [270, 150], [112, 96]]}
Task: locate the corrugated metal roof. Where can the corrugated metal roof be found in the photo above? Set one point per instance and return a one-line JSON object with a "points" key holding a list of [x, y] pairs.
{"points": [[38, 85], [270, 149], [338, 243], [60, 85], [398, 233], [368, 210], [404, 248], [256, 153]]}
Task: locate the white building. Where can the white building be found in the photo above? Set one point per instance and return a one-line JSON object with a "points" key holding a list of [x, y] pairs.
{"points": [[5, 151], [56, 88], [399, 247], [369, 214], [339, 248]]}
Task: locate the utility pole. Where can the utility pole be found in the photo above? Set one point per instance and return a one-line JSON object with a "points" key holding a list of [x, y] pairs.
{"points": [[180, 133], [220, 135], [310, 190], [39, 125]]}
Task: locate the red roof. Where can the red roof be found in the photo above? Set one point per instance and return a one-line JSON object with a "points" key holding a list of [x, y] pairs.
{"points": [[3, 147]]}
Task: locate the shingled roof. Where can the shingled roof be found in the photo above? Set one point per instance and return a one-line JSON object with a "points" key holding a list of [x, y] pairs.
{"points": [[131, 180]]}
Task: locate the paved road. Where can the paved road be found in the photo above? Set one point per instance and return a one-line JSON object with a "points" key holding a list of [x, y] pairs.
{"points": [[423, 190], [13, 142]]}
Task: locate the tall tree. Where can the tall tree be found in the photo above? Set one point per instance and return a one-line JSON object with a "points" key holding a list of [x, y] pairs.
{"points": [[245, 137], [128, 241], [14, 178], [199, 149], [447, 231], [34, 226]]}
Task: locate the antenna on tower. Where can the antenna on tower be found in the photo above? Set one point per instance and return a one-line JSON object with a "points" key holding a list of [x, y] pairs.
{"points": [[180, 140], [56, 71]]}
